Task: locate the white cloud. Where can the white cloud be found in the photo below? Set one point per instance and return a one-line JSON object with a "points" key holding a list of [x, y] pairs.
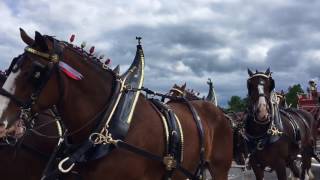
{"points": [[258, 51], [183, 40]]}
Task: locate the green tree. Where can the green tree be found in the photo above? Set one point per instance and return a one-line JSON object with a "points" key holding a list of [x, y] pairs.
{"points": [[237, 104], [291, 96]]}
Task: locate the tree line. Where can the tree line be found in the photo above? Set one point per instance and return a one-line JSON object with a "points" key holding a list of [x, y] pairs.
{"points": [[239, 104]]}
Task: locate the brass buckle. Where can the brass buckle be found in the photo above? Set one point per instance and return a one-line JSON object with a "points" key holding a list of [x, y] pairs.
{"points": [[169, 162], [274, 131], [54, 58]]}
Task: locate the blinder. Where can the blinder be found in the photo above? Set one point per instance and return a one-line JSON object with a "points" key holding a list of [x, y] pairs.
{"points": [[38, 74], [272, 84], [248, 87]]}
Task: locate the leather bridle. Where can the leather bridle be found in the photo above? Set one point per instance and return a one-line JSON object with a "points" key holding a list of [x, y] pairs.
{"points": [[26, 113], [261, 93]]}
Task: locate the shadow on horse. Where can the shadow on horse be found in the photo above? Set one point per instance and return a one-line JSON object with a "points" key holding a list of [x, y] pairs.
{"points": [[275, 136], [39, 81]]}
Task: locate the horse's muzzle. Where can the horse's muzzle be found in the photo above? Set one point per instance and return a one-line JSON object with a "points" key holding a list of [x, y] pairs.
{"points": [[17, 130]]}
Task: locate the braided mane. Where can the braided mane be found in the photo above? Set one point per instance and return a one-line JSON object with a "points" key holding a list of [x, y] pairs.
{"points": [[91, 58]]}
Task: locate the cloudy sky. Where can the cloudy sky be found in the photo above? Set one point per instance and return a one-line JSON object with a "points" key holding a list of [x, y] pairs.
{"points": [[184, 41]]}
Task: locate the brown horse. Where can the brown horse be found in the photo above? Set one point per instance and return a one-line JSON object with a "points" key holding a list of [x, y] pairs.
{"points": [[275, 137], [315, 111], [38, 67], [181, 91], [240, 150]]}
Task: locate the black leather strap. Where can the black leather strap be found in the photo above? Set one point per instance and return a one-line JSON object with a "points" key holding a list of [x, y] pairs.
{"points": [[198, 122], [175, 144], [293, 123]]}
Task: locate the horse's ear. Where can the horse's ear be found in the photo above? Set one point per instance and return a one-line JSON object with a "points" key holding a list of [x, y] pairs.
{"points": [[250, 72], [184, 86], [26, 38], [40, 42], [268, 72]]}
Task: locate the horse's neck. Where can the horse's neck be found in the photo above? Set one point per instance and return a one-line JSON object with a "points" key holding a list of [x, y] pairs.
{"points": [[254, 128], [191, 96], [86, 98]]}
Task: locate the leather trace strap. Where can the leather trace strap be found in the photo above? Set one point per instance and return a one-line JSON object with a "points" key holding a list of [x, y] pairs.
{"points": [[196, 117]]}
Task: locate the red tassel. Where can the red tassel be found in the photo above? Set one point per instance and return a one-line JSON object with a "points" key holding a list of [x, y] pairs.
{"points": [[91, 50], [72, 38], [108, 61]]}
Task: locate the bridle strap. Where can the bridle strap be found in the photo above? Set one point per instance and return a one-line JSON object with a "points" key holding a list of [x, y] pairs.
{"points": [[51, 57], [26, 107], [259, 75], [16, 100], [178, 91]]}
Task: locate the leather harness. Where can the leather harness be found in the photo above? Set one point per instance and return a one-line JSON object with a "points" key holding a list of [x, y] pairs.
{"points": [[104, 137]]}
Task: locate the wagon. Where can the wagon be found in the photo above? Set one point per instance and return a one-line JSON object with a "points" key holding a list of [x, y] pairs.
{"points": [[311, 103]]}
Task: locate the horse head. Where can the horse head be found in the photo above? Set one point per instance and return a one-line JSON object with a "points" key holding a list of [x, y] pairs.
{"points": [[260, 86], [281, 99], [178, 90], [181, 91], [52, 73]]}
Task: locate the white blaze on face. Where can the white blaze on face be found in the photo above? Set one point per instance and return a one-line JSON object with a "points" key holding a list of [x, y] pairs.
{"points": [[262, 103], [9, 86]]}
